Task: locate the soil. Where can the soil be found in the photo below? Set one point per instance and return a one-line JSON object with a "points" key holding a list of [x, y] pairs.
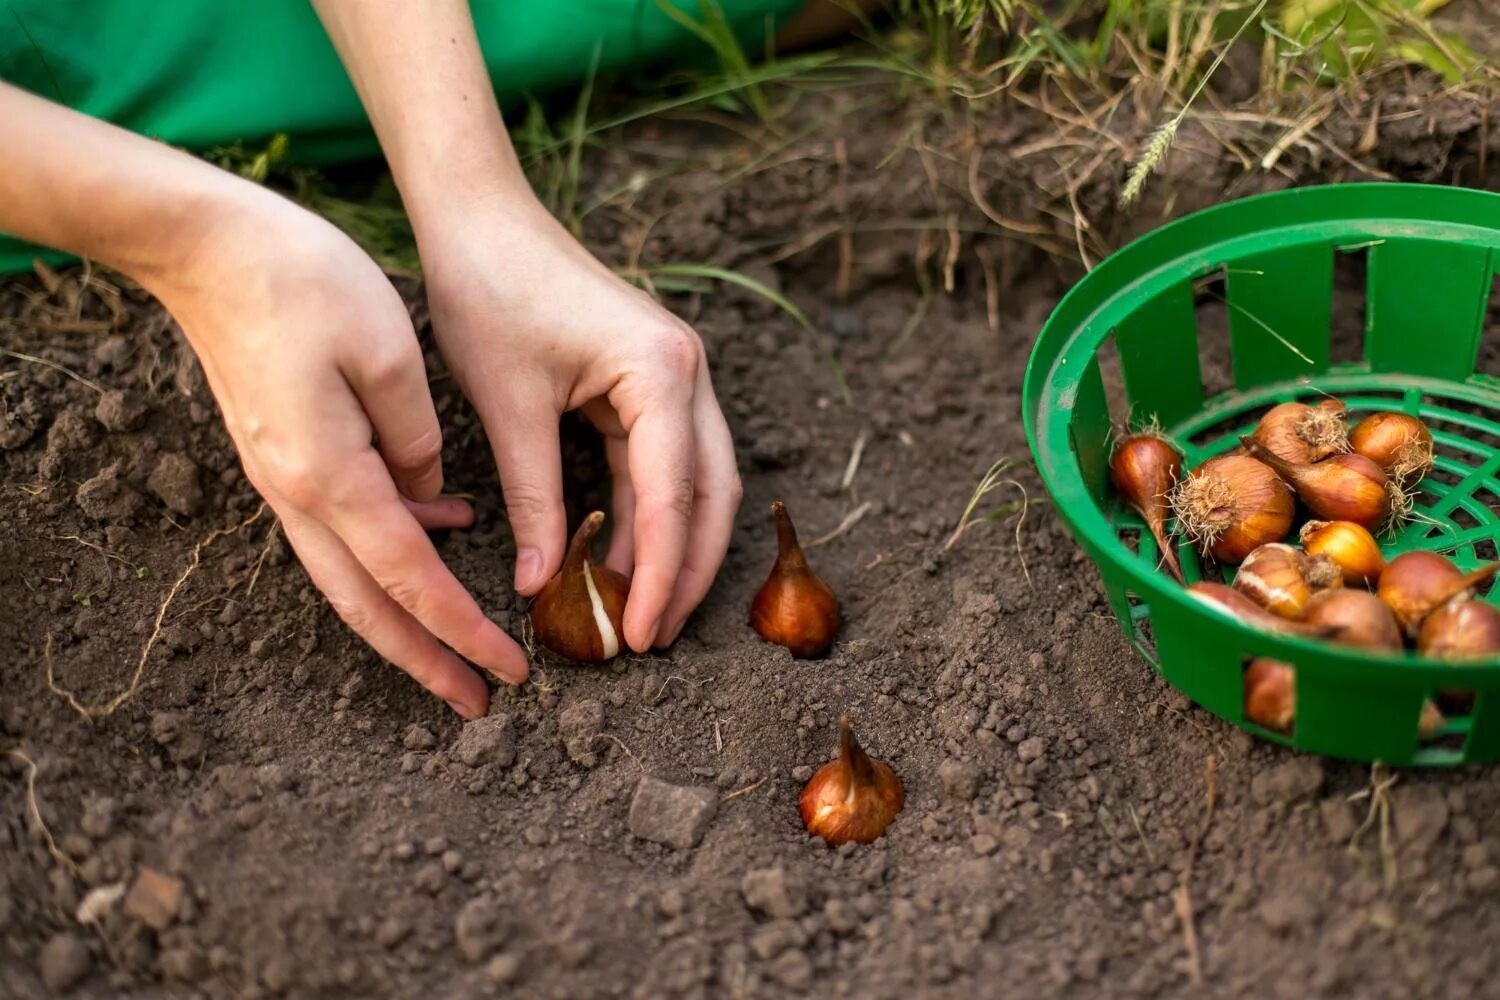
{"points": [[332, 830]]}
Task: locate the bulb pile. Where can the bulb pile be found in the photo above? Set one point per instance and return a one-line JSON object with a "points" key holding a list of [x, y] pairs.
{"points": [[1238, 510]]}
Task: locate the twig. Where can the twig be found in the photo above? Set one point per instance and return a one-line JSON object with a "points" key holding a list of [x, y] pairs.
{"points": [[97, 548], [621, 744], [35, 813], [852, 469], [1183, 900], [55, 367], [105, 709], [743, 791], [850, 520]]}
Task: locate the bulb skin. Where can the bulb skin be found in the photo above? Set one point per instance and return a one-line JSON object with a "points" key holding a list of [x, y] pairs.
{"points": [[1233, 504], [1461, 630], [1282, 579], [1270, 694], [579, 614], [1399, 443], [1144, 469], [1233, 603], [1361, 619], [1342, 488], [1302, 432], [794, 608], [853, 798], [1349, 545]]}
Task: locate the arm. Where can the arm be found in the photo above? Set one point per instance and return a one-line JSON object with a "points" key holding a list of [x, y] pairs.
{"points": [[309, 352], [532, 325]]}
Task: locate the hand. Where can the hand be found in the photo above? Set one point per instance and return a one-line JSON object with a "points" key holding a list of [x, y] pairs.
{"points": [[532, 326], [311, 354]]}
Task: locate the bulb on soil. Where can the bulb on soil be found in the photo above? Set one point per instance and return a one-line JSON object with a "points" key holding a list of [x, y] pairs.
{"points": [[851, 799], [794, 608], [579, 614]]}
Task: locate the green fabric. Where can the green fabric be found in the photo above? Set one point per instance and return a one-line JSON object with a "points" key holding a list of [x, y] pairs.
{"points": [[202, 73]]}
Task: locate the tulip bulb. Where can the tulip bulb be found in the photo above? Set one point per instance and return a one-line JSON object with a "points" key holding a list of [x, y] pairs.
{"points": [[1235, 604], [1415, 584], [851, 799], [1282, 579], [1353, 548], [1341, 488], [1461, 630], [1397, 442], [1231, 505], [1298, 432], [579, 613], [1270, 694], [794, 608], [1360, 618], [1145, 468]]}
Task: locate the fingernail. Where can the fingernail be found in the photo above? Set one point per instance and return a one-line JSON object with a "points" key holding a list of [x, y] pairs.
{"points": [[669, 636], [528, 568], [466, 711]]}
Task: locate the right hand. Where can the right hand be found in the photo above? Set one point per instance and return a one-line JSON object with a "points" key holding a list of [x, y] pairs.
{"points": [[311, 355]]}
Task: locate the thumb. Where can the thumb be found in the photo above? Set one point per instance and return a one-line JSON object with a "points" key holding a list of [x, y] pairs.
{"points": [[524, 436]]}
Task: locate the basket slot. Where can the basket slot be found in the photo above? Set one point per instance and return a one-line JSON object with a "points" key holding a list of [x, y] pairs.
{"points": [[1484, 727], [1158, 346], [1280, 309], [1088, 433], [1427, 301]]}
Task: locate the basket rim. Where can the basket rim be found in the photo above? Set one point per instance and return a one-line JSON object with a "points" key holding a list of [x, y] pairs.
{"points": [[1190, 247]]}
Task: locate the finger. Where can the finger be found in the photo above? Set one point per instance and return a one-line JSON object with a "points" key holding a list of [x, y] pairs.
{"points": [[392, 390], [716, 500], [444, 512], [524, 436], [621, 555], [661, 456], [393, 633], [390, 544]]}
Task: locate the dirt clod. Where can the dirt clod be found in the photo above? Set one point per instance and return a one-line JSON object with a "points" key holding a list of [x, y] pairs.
{"points": [[155, 898], [580, 724], [960, 779], [674, 815], [181, 739], [1289, 781], [174, 480], [107, 497], [120, 410], [418, 737], [480, 928], [490, 740], [773, 892], [64, 962]]}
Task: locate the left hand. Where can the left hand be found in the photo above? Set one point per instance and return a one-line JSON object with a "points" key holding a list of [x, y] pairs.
{"points": [[532, 326]]}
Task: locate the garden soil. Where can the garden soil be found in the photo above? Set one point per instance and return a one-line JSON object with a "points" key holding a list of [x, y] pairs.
{"points": [[288, 815]]}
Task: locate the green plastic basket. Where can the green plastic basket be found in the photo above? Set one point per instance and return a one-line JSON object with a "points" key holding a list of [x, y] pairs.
{"points": [[1432, 256]]}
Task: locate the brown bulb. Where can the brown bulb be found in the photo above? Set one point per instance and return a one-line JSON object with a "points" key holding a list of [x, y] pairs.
{"points": [[1461, 630], [1358, 617], [1415, 584], [1397, 442], [1231, 505], [1145, 468], [579, 614], [1341, 488], [794, 608], [1353, 548], [1270, 694], [1297, 432], [851, 799], [1237, 605], [1282, 580]]}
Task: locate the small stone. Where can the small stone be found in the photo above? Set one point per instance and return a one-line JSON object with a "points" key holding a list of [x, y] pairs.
{"points": [[391, 932], [1031, 749], [490, 740], [1285, 909], [418, 737], [772, 892], [260, 649], [1286, 783], [793, 970], [776, 937], [1421, 815], [841, 915], [983, 844], [98, 819], [64, 962], [960, 779], [155, 899], [535, 835], [674, 815], [479, 929], [1338, 820], [120, 410], [410, 763], [452, 861], [435, 845], [431, 878], [504, 968], [404, 851], [579, 726], [174, 480], [1484, 880], [802, 772]]}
